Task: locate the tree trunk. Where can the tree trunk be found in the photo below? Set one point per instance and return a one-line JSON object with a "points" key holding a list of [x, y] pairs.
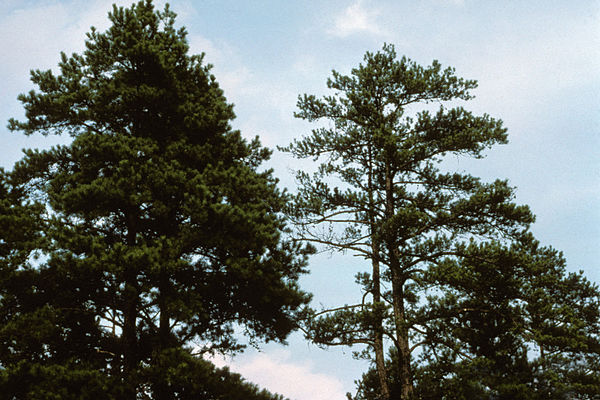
{"points": [[378, 333], [164, 329], [129, 336], [376, 290], [130, 356], [161, 388], [406, 388]]}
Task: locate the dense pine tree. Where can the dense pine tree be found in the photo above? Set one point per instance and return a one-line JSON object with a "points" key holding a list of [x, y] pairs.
{"points": [[158, 232]]}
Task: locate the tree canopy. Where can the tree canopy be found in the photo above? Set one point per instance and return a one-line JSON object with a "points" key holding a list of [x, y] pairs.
{"points": [[156, 229], [158, 236], [432, 237]]}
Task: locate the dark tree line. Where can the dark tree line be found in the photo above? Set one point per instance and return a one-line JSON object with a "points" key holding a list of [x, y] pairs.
{"points": [[146, 242]]}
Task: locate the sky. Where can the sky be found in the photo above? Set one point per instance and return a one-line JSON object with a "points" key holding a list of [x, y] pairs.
{"points": [[538, 68]]}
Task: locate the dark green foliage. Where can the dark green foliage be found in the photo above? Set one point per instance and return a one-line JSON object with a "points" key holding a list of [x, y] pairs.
{"points": [[19, 224], [510, 323], [156, 226], [48, 338]]}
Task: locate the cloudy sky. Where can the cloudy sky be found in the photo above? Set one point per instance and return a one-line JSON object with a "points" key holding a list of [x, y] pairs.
{"points": [[538, 67]]}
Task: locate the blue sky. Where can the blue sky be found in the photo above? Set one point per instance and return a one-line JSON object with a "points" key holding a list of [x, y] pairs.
{"points": [[538, 67]]}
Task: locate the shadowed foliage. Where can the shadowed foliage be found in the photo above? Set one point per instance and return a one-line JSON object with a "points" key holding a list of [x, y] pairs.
{"points": [[158, 232]]}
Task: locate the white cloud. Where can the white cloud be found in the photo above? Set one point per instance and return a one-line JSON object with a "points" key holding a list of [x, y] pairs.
{"points": [[520, 74], [277, 373], [233, 76], [356, 19], [34, 36], [455, 2], [306, 65]]}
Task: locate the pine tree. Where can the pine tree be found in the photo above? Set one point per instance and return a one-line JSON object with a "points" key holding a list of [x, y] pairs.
{"points": [[380, 194], [511, 324], [162, 231]]}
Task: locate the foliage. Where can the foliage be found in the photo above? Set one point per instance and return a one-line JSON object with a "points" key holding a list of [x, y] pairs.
{"points": [[380, 192], [156, 227], [511, 323]]}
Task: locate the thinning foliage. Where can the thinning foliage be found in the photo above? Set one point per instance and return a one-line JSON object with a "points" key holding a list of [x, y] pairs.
{"points": [[380, 193]]}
